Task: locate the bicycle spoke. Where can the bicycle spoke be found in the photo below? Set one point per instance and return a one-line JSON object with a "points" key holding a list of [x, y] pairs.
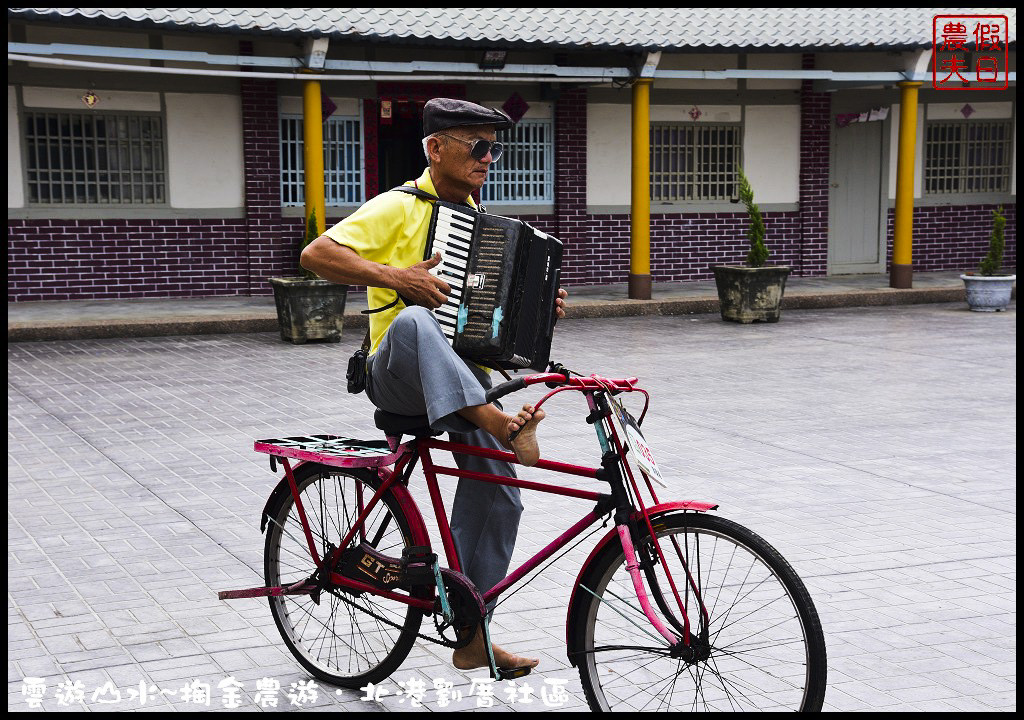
{"points": [[346, 638], [756, 651], [627, 604]]}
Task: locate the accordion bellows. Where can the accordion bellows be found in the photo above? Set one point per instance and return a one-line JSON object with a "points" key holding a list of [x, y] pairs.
{"points": [[504, 278]]}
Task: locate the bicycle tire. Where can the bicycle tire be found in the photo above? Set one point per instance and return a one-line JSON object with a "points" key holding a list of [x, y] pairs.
{"points": [[767, 649], [342, 639]]}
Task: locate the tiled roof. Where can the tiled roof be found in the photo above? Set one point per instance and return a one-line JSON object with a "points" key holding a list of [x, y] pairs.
{"points": [[650, 28]]}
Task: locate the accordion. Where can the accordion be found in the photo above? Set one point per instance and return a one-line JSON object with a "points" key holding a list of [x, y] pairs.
{"points": [[504, 278]]}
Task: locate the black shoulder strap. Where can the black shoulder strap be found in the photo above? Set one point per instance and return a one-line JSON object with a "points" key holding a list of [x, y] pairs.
{"points": [[422, 194]]}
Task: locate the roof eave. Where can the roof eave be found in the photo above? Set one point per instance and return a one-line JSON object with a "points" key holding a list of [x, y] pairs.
{"points": [[55, 17]]}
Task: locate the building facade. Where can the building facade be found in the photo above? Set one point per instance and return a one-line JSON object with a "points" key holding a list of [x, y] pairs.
{"points": [[145, 180]]}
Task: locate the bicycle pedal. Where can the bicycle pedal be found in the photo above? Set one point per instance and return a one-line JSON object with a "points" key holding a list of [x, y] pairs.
{"points": [[418, 566], [513, 673]]}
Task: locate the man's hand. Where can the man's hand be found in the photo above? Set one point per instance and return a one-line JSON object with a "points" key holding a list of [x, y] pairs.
{"points": [[560, 302], [422, 288]]}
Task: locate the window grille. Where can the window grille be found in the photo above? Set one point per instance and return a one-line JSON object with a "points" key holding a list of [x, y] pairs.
{"points": [[694, 161], [95, 158], [343, 161], [525, 172], [967, 157]]}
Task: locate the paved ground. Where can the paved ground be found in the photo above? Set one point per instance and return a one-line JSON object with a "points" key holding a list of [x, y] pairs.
{"points": [[875, 447]]}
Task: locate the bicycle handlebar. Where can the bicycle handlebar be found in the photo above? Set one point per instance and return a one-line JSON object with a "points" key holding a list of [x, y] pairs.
{"points": [[558, 379], [510, 386]]}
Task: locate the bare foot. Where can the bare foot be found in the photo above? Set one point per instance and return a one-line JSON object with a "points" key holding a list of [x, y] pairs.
{"points": [[524, 442], [474, 655]]}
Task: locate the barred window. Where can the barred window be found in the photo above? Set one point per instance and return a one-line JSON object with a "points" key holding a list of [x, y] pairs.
{"points": [[525, 172], [694, 161], [95, 158], [343, 161], [967, 157]]}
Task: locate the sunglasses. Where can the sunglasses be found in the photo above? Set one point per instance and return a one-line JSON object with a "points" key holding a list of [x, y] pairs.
{"points": [[478, 149]]}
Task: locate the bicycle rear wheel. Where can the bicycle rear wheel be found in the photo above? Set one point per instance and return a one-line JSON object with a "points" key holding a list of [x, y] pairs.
{"points": [[765, 650], [344, 639]]}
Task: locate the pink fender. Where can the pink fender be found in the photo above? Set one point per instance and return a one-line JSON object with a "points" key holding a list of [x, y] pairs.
{"points": [[612, 535]]}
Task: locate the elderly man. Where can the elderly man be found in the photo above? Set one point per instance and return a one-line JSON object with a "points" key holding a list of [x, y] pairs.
{"points": [[412, 370]]}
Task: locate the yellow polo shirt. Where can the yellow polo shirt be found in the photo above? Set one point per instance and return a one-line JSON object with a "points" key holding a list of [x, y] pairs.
{"points": [[390, 229]]}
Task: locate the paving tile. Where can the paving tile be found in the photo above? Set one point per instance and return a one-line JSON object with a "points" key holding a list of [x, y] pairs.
{"points": [[841, 436]]}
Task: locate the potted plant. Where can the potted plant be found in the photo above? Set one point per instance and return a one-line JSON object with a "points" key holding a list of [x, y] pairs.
{"points": [[752, 292], [308, 307], [988, 289]]}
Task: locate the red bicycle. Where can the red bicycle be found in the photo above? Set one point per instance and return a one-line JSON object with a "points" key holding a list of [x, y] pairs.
{"points": [[674, 609]]}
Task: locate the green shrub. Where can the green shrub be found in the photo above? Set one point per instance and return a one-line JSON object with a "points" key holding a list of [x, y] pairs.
{"points": [[993, 262], [312, 233], [759, 253]]}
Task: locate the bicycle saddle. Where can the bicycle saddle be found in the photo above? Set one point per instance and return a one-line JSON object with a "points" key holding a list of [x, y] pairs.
{"points": [[392, 424]]}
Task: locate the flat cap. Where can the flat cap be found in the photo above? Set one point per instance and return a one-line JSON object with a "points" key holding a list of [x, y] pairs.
{"points": [[443, 113]]}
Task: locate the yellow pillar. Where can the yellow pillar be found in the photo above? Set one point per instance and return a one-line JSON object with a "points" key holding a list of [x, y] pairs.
{"points": [[313, 153], [902, 274], [640, 224]]}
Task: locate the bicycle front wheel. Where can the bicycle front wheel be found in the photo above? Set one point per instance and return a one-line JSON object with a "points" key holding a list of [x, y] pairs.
{"points": [[343, 638], [765, 648]]}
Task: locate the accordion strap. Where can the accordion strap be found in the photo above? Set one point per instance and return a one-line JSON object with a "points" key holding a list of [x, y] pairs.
{"points": [[423, 195]]}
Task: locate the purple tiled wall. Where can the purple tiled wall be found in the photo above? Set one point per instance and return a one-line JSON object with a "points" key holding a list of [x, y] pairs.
{"points": [[815, 111], [83, 259], [107, 259], [956, 237]]}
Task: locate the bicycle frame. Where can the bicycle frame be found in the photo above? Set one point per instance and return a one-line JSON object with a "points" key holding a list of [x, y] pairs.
{"points": [[628, 517]]}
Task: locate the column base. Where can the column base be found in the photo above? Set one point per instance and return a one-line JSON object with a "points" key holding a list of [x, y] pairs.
{"points": [[639, 287], [901, 276]]}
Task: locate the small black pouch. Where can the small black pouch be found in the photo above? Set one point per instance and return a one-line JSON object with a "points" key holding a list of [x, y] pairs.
{"points": [[356, 374]]}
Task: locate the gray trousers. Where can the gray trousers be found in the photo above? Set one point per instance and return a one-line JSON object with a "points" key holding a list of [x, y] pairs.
{"points": [[416, 372]]}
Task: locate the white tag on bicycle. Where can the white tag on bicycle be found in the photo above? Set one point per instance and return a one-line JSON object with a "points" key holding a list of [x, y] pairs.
{"points": [[637, 442]]}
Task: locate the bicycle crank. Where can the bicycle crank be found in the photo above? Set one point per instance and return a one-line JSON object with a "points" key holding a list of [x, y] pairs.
{"points": [[466, 609]]}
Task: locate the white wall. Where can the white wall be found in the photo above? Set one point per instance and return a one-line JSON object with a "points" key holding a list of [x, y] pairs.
{"points": [[771, 145], [15, 184], [982, 110], [205, 163], [204, 151], [608, 154], [771, 152], [71, 99]]}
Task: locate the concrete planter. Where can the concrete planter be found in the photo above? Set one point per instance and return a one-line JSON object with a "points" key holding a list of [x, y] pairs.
{"points": [[988, 293], [748, 294], [309, 309]]}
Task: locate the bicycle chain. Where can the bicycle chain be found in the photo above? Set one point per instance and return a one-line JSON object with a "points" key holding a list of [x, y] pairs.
{"points": [[454, 644]]}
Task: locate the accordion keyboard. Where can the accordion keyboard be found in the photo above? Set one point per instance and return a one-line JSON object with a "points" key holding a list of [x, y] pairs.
{"points": [[452, 238]]}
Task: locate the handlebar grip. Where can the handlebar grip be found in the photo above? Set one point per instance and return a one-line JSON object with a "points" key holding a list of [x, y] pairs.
{"points": [[510, 386]]}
